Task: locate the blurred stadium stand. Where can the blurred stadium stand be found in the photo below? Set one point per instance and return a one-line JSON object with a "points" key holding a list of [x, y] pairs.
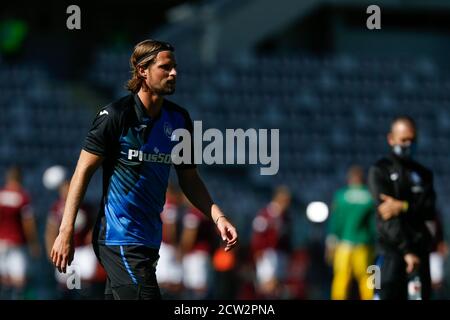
{"points": [[329, 111]]}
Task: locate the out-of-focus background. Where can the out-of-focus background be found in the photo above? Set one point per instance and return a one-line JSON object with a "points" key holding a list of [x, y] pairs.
{"points": [[310, 68]]}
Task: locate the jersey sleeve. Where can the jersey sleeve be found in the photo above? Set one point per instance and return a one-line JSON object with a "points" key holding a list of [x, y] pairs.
{"points": [[391, 231], [103, 134], [189, 127]]}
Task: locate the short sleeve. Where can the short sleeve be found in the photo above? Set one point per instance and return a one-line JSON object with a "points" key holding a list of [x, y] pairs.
{"points": [[103, 133]]}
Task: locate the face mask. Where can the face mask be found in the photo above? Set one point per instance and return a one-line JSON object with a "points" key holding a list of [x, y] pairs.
{"points": [[405, 151]]}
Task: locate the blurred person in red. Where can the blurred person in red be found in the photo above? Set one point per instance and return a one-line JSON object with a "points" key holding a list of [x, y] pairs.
{"points": [[169, 271], [270, 244], [17, 231], [91, 274], [438, 255], [197, 244]]}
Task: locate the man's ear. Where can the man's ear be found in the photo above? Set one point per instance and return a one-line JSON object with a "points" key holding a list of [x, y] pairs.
{"points": [[142, 72], [389, 138]]}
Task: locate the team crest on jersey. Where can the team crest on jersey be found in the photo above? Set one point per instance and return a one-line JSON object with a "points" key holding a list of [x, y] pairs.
{"points": [[415, 178], [417, 182], [394, 176], [168, 129]]}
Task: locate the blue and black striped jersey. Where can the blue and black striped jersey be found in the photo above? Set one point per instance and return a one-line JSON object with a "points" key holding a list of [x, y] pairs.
{"points": [[137, 160]]}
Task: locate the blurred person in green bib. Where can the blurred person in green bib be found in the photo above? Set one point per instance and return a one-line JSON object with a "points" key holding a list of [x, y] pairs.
{"points": [[351, 236]]}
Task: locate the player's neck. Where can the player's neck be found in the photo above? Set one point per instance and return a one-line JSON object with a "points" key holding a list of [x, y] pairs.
{"points": [[151, 102]]}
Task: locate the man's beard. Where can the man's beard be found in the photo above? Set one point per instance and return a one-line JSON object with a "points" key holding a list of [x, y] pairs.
{"points": [[169, 90], [164, 90]]}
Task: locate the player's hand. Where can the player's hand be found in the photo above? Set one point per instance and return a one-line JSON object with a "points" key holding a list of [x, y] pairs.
{"points": [[227, 232], [412, 262], [62, 251], [390, 207]]}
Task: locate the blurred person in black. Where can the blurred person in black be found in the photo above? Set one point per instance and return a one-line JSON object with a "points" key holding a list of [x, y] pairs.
{"points": [[405, 198]]}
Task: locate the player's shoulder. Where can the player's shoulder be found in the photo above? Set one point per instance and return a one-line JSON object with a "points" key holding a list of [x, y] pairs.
{"points": [[340, 192], [264, 212], [382, 163], [422, 169], [118, 107], [382, 166]]}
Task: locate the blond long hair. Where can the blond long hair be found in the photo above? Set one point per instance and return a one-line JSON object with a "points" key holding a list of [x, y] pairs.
{"points": [[144, 54]]}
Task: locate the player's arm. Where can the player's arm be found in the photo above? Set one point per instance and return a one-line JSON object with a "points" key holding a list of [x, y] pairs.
{"points": [[390, 230], [62, 251], [30, 231], [381, 189], [51, 232], [334, 230], [424, 207], [195, 190]]}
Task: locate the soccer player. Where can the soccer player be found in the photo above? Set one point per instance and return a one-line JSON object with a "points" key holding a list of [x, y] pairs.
{"points": [[17, 231], [271, 244], [351, 237], [405, 198], [132, 139]]}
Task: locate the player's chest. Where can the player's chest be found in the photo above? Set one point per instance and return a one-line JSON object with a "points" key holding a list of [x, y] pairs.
{"points": [[148, 142], [409, 181]]}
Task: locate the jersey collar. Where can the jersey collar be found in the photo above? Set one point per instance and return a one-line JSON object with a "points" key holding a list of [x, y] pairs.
{"points": [[140, 109]]}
